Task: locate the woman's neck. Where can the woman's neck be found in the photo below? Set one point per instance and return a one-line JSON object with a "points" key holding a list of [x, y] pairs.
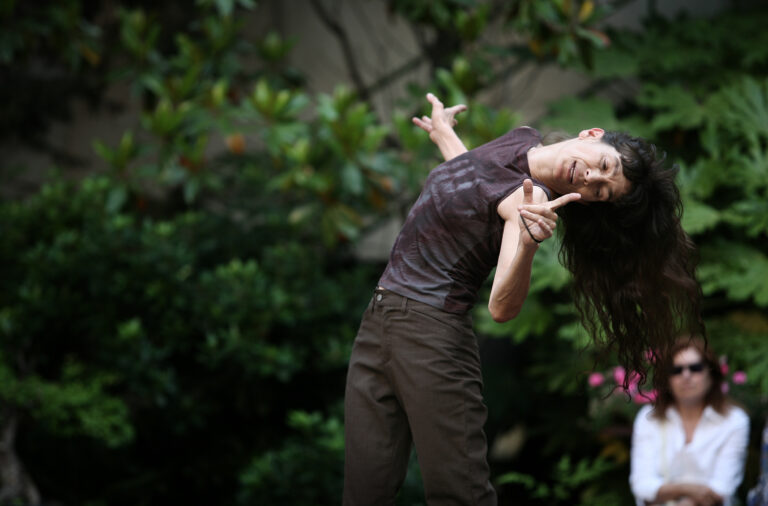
{"points": [[690, 412], [690, 415], [539, 163]]}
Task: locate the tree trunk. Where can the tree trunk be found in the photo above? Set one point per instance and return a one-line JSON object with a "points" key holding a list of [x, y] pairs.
{"points": [[16, 483]]}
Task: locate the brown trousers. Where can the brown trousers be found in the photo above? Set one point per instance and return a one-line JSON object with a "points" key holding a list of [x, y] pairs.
{"points": [[414, 376]]}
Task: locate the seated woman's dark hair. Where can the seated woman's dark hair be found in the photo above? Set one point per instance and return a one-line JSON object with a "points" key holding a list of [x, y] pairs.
{"points": [[633, 265]]}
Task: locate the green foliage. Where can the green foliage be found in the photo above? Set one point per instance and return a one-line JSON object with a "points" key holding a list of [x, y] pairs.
{"points": [[703, 99], [162, 320], [59, 29], [707, 109], [308, 469], [735, 133], [50, 53], [560, 28], [226, 7], [192, 306], [553, 30], [581, 479], [205, 277], [72, 404]]}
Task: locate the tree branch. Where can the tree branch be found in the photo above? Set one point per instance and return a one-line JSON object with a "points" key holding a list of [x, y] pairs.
{"points": [[16, 483], [346, 48], [396, 74]]}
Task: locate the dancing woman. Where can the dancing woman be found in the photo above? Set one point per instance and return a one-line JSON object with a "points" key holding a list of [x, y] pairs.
{"points": [[414, 375]]}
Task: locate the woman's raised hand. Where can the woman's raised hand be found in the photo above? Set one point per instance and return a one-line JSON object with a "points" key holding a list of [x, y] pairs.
{"points": [[442, 120], [539, 220]]}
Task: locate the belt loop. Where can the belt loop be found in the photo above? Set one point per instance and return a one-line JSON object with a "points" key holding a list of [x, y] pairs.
{"points": [[404, 304]]}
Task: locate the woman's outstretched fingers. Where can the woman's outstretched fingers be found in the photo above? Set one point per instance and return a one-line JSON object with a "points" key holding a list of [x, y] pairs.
{"points": [[452, 111], [544, 210], [425, 123], [437, 106], [563, 200], [549, 221], [434, 100]]}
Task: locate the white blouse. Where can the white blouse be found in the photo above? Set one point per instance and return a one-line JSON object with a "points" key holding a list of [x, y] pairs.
{"points": [[714, 457]]}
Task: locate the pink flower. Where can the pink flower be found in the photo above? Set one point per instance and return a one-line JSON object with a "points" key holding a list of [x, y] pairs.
{"points": [[739, 377], [724, 365], [645, 397], [618, 375], [725, 387], [595, 379]]}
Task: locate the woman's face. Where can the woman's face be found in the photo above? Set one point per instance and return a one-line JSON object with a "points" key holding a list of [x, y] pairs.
{"points": [[689, 378], [590, 167]]}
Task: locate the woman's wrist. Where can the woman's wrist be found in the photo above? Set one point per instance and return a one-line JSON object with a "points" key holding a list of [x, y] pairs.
{"points": [[526, 245], [448, 142], [441, 136]]}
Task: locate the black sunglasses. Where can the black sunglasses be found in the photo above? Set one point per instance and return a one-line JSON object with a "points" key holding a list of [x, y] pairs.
{"points": [[678, 369]]}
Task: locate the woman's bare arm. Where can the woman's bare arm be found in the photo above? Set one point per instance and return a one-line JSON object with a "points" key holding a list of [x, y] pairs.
{"points": [[519, 245]]}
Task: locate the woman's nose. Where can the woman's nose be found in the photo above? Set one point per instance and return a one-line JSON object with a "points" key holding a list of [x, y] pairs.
{"points": [[591, 176]]}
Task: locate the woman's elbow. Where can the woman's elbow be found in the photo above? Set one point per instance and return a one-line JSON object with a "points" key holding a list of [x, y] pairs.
{"points": [[501, 313]]}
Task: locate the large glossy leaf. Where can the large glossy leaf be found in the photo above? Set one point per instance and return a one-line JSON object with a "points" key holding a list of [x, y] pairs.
{"points": [[738, 269]]}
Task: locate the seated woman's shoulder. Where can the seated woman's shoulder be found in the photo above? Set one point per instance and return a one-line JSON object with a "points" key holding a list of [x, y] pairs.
{"points": [[737, 412], [646, 412]]}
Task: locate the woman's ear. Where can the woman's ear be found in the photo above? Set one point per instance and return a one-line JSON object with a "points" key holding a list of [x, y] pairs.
{"points": [[595, 133]]}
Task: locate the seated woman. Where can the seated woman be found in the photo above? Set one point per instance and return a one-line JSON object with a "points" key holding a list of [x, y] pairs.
{"points": [[690, 448]]}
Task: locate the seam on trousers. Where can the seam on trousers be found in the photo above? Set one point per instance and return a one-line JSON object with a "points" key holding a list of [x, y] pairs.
{"points": [[471, 494]]}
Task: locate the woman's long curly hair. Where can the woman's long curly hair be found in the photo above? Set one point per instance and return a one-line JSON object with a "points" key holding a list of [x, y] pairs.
{"points": [[633, 266]]}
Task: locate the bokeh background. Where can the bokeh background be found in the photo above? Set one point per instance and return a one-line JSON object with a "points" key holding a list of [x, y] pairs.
{"points": [[198, 197]]}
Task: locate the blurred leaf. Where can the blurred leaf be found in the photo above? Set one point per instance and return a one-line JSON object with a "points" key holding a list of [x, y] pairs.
{"points": [[116, 199], [674, 106], [573, 115], [352, 179], [749, 214], [699, 217], [534, 318]]}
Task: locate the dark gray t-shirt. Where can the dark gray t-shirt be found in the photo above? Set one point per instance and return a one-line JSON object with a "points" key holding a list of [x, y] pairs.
{"points": [[452, 236]]}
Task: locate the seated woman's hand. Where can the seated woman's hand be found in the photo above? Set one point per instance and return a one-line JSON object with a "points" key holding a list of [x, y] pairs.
{"points": [[702, 495]]}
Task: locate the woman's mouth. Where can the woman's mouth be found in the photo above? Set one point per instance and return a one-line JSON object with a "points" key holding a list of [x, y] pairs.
{"points": [[573, 171]]}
